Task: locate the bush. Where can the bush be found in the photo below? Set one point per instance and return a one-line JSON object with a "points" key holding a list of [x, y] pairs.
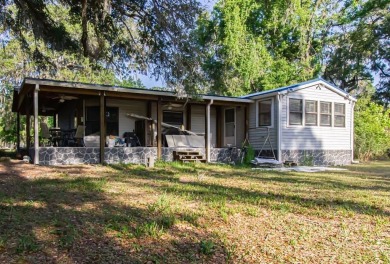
{"points": [[249, 155], [372, 134]]}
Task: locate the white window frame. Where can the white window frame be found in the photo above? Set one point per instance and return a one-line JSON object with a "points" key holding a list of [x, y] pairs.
{"points": [[304, 112], [331, 113], [332, 103], [334, 115], [272, 112], [288, 111]]}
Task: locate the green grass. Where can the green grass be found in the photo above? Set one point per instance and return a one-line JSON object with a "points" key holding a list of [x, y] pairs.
{"points": [[191, 213]]}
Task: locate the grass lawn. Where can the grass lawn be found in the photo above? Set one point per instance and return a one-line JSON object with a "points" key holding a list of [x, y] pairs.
{"points": [[199, 213]]}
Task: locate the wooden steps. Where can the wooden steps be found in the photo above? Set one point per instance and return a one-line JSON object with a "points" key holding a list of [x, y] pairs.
{"points": [[188, 156]]}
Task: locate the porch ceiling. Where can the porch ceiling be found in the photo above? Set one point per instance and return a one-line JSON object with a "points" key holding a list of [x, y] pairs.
{"points": [[51, 91]]}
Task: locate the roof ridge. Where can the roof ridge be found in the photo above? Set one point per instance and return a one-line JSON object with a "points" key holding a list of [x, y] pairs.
{"points": [[294, 86]]}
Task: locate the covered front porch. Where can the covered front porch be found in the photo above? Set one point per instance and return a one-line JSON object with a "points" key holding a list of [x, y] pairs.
{"points": [[104, 124]]}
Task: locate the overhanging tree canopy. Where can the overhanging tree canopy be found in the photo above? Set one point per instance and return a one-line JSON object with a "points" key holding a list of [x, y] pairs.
{"points": [[118, 34]]}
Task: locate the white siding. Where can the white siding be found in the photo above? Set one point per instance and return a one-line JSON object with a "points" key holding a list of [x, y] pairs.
{"points": [[127, 124], [257, 135], [198, 121], [198, 118], [316, 137]]}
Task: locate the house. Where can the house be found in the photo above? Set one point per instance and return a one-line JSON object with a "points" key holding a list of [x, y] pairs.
{"points": [[310, 121]]}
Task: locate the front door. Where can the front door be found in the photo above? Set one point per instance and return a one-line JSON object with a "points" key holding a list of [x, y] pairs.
{"points": [[230, 126]]}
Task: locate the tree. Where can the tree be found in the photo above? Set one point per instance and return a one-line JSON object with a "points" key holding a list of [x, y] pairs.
{"points": [[119, 35], [358, 48], [372, 128], [259, 45], [16, 63]]}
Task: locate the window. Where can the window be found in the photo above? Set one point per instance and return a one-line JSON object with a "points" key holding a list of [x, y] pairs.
{"points": [[92, 121], [339, 115], [325, 114], [173, 118], [295, 111], [265, 113], [311, 112], [112, 121]]}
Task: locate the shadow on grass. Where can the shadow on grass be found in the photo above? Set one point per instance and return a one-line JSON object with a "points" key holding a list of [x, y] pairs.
{"points": [[72, 220], [380, 176], [200, 190]]}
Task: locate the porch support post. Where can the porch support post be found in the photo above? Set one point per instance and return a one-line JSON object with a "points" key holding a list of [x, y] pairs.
{"points": [[18, 131], [159, 128], [36, 128], [219, 126], [246, 127], [208, 131], [102, 127], [188, 117], [28, 123], [28, 136]]}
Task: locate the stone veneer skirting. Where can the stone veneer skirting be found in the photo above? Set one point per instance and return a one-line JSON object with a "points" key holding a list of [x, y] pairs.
{"points": [[137, 155], [318, 157]]}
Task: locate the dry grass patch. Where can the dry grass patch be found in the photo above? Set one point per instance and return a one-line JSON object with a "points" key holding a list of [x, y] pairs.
{"points": [[177, 213]]}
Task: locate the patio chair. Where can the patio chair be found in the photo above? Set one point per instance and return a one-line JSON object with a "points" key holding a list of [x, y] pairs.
{"points": [[78, 137], [45, 134]]}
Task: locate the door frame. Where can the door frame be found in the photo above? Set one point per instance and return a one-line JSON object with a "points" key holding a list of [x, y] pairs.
{"points": [[224, 125]]}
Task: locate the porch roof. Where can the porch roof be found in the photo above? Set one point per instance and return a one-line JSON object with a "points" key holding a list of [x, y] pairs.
{"points": [[56, 86]]}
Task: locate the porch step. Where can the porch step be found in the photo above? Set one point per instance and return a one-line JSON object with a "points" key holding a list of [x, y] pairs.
{"points": [[193, 160], [188, 156], [186, 153]]}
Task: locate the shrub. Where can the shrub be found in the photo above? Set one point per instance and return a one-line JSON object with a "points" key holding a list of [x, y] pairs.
{"points": [[372, 124], [207, 247], [249, 155]]}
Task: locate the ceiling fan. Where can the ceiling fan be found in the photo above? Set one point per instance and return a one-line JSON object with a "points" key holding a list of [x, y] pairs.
{"points": [[62, 98], [45, 108]]}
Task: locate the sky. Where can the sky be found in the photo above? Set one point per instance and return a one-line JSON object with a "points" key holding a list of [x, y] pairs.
{"points": [[150, 81]]}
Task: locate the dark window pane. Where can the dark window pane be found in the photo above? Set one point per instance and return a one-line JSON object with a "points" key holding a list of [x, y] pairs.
{"points": [[295, 119], [311, 106], [295, 105], [92, 121], [112, 121], [265, 113], [326, 108], [311, 119], [325, 120], [173, 118], [296, 114], [339, 109], [229, 116], [264, 119], [339, 121]]}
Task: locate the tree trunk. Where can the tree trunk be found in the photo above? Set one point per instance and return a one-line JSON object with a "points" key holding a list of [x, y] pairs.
{"points": [[84, 22]]}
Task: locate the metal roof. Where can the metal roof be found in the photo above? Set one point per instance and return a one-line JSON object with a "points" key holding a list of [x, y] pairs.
{"points": [[301, 85], [134, 90]]}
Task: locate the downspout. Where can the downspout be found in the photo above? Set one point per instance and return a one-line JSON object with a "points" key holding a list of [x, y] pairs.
{"points": [[208, 130], [279, 131]]}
